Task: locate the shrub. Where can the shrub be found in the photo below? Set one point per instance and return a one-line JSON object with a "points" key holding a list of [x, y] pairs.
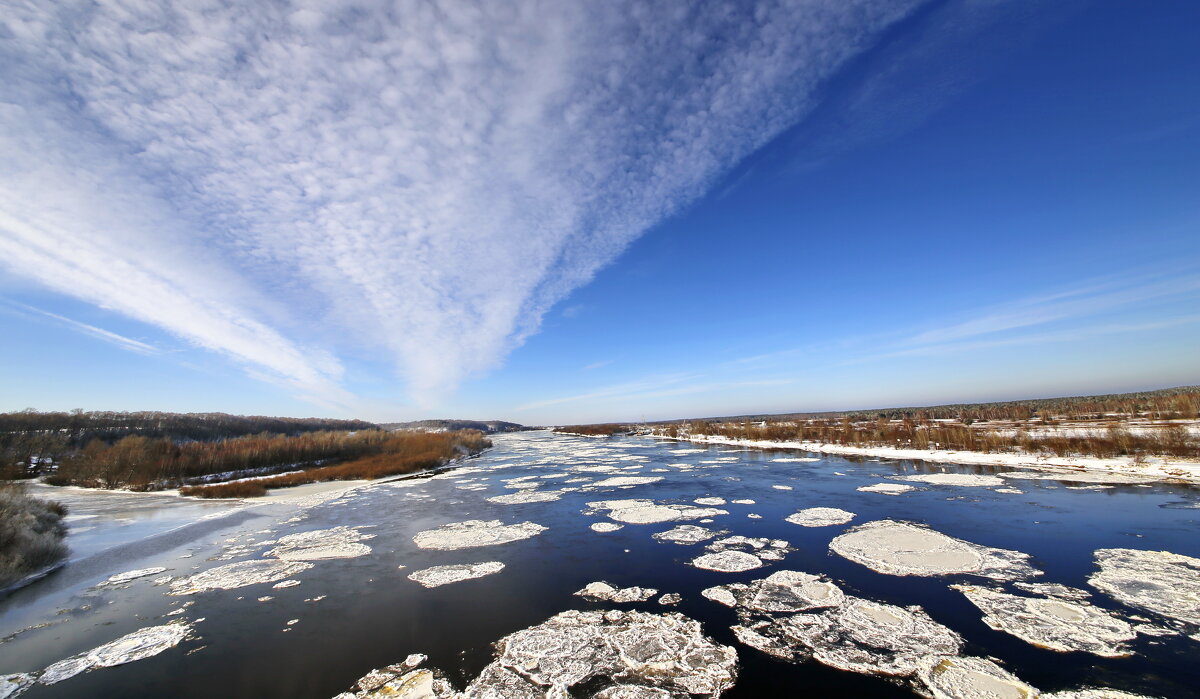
{"points": [[31, 534]]}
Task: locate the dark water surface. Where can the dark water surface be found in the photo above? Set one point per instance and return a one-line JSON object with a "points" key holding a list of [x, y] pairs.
{"points": [[373, 615]]}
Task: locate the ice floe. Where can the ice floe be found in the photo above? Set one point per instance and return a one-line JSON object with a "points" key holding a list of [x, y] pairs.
{"points": [[285, 584], [956, 677], [444, 575], [857, 635], [728, 561], [14, 684], [782, 591], [686, 534], [1157, 581], [795, 460], [963, 479], [608, 655], [743, 501], [886, 488], [709, 501], [240, 574], [140, 644], [1050, 622], [901, 548], [619, 481], [671, 598], [820, 517], [603, 591], [321, 544], [606, 527], [132, 575], [475, 532], [648, 512], [526, 496]]}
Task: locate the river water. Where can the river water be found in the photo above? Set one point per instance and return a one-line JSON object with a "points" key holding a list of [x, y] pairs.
{"points": [[350, 615]]}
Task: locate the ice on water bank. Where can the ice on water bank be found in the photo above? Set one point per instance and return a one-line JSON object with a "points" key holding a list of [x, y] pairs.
{"points": [[1054, 623], [886, 488], [133, 575], [900, 548], [648, 512], [963, 479], [1078, 476], [16, 683], [475, 532], [240, 574], [728, 561], [444, 575], [686, 534], [820, 517], [526, 496], [1158, 581], [603, 591], [954, 677], [321, 544], [140, 644]]}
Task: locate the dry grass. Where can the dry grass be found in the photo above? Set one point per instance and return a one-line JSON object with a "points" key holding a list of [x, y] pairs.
{"points": [[31, 534], [405, 453]]}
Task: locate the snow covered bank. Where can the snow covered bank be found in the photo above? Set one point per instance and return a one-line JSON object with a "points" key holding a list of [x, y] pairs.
{"points": [[1152, 468]]}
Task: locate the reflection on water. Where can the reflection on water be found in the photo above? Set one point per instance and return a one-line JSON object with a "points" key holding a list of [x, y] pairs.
{"points": [[448, 565]]}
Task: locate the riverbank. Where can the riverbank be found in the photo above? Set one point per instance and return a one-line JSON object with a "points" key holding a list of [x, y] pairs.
{"points": [[1152, 468]]}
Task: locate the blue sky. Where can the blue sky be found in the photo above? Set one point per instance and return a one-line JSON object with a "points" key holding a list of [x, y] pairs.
{"points": [[554, 214]]}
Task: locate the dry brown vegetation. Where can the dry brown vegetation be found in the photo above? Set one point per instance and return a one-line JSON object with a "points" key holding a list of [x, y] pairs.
{"points": [[143, 463], [1104, 440], [31, 534], [403, 453]]}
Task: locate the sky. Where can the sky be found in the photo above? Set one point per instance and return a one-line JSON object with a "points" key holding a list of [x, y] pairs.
{"points": [[555, 213]]}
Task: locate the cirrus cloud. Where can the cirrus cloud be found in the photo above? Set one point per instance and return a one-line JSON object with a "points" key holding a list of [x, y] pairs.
{"points": [[426, 178]]}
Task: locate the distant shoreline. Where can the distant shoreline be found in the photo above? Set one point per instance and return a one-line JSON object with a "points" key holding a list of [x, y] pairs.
{"points": [[1155, 468]]}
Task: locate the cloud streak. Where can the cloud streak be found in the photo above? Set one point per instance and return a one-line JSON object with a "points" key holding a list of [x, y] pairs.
{"points": [[427, 179]]}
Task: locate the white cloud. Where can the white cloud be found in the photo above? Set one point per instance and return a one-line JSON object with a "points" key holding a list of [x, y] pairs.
{"points": [[426, 178], [126, 343]]}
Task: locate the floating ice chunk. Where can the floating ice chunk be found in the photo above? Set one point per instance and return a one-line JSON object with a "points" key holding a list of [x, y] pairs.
{"points": [[783, 591], [1054, 590], [605, 527], [857, 635], [14, 684], [709, 501], [744, 501], [782, 487], [618, 481], [900, 548], [820, 517], [1009, 491], [686, 534], [318, 598], [795, 460], [1158, 581], [575, 649], [240, 574], [444, 575], [133, 575], [671, 598], [1053, 623], [285, 584], [604, 591], [728, 561], [886, 488], [647, 512], [321, 544], [401, 682], [475, 532], [956, 677], [753, 515], [720, 595], [140, 644], [964, 479], [1093, 693], [264, 598], [526, 496]]}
